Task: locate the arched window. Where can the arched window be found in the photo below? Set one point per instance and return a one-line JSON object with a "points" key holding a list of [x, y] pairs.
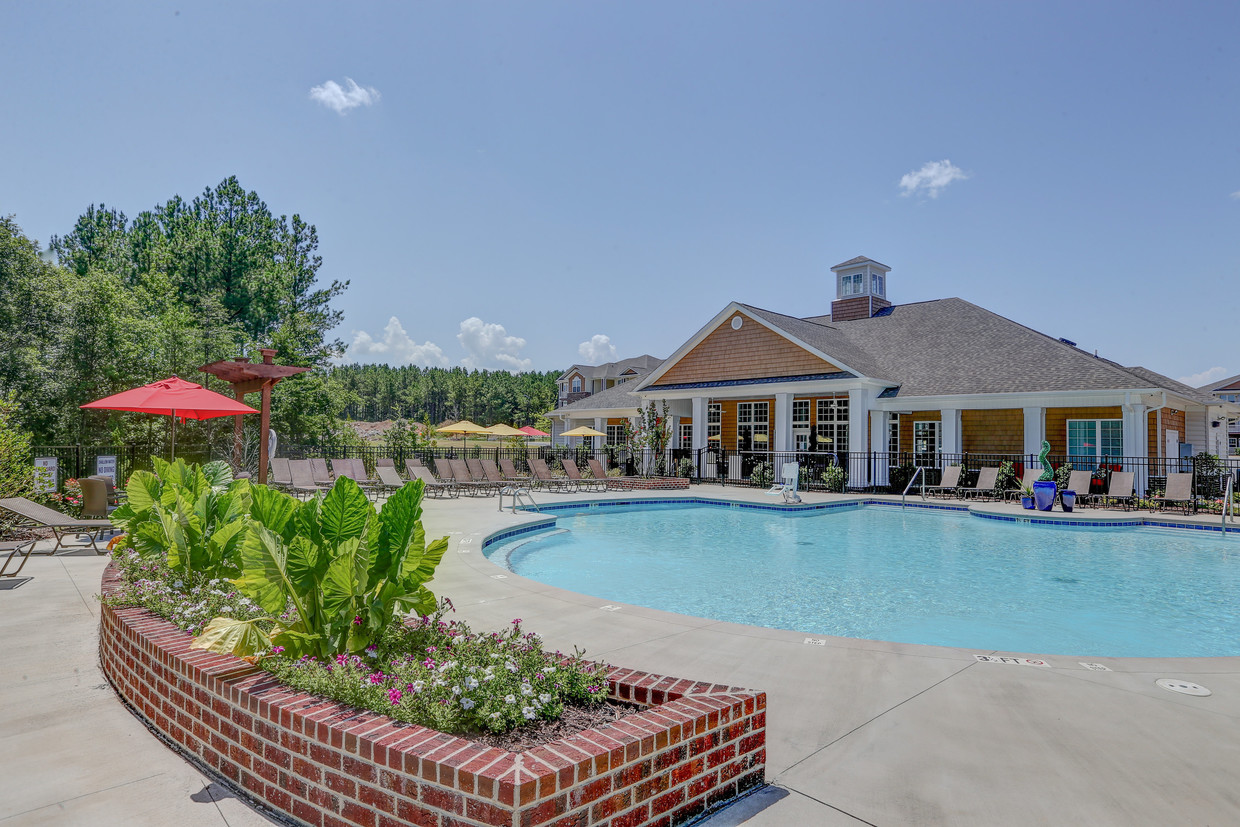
{"points": [[576, 384]]}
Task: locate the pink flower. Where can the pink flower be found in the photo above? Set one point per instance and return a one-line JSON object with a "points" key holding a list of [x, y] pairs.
{"points": [[394, 695]]}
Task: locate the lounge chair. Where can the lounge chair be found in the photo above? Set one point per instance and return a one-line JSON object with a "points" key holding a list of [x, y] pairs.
{"points": [[15, 548], [544, 479], [320, 473], [389, 480], [29, 514], [1121, 489], [432, 486], [478, 473], [1031, 476], [384, 462], [410, 464], [985, 485], [510, 471], [574, 473], [279, 474], [447, 471], [302, 478], [1179, 493], [497, 476], [361, 477], [790, 477], [1079, 481], [947, 485], [480, 487], [598, 471]]}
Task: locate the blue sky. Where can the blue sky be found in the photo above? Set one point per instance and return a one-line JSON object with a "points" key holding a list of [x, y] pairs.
{"points": [[525, 185]]}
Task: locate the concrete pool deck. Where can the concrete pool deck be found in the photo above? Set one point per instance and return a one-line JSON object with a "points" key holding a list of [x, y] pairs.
{"points": [[859, 732]]}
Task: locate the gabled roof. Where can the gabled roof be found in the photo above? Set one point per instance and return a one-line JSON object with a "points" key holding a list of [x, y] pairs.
{"points": [[1226, 384], [610, 370], [859, 260], [952, 347], [613, 398], [1178, 388]]}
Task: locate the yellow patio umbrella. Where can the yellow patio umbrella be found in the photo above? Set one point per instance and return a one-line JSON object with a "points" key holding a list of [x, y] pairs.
{"points": [[583, 430], [504, 430], [463, 427]]}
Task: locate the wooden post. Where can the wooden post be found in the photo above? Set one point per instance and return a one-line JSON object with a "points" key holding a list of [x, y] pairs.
{"points": [[264, 430]]}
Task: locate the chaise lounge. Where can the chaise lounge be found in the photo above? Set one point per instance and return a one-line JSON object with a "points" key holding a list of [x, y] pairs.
{"points": [[29, 514]]}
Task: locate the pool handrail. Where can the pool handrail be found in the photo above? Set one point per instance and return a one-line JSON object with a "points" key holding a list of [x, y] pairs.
{"points": [[1228, 505], [920, 470]]}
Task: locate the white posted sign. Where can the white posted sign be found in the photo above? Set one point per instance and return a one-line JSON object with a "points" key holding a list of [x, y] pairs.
{"points": [[106, 466], [45, 482]]}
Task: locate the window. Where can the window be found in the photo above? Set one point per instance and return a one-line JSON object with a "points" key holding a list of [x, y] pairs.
{"points": [[1091, 439], [876, 284], [686, 435], [893, 434], [615, 434], [752, 426], [853, 285], [832, 426], [576, 384], [714, 423], [1233, 445], [927, 442], [800, 424]]}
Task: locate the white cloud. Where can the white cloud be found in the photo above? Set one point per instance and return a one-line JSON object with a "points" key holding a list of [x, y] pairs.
{"points": [[490, 346], [597, 351], [396, 348], [1236, 195], [1205, 377], [932, 178], [342, 99]]}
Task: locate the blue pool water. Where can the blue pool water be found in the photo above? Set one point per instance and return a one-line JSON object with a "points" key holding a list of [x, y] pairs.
{"points": [[913, 576]]}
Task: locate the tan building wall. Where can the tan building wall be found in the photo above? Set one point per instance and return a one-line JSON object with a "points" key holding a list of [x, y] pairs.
{"points": [[753, 352], [1057, 422], [727, 417], [1158, 436], [992, 432]]}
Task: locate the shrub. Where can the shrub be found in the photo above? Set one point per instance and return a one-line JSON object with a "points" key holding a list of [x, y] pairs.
{"points": [[1006, 478], [761, 475], [16, 463], [1062, 473], [834, 478], [68, 501], [685, 468]]}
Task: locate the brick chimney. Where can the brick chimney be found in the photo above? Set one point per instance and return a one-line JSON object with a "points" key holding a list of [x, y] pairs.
{"points": [[860, 289]]}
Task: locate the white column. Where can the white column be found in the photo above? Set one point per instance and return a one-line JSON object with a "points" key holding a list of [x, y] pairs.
{"points": [[951, 430], [699, 423], [783, 423], [1136, 437], [879, 421], [859, 402], [600, 424], [1035, 429]]}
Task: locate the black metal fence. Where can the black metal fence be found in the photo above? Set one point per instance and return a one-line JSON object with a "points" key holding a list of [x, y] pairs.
{"points": [[73, 461], [890, 472]]}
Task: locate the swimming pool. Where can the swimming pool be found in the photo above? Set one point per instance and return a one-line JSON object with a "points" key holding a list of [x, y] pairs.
{"points": [[915, 576]]}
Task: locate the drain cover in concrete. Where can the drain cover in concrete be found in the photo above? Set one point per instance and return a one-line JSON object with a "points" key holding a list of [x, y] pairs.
{"points": [[1183, 687]]}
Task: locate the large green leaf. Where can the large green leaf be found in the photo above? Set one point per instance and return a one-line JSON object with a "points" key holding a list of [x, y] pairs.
{"points": [[224, 545], [263, 578], [397, 522], [218, 475], [305, 564], [148, 539], [272, 508], [344, 512], [421, 601], [233, 637], [143, 491], [175, 545], [338, 589], [421, 561]]}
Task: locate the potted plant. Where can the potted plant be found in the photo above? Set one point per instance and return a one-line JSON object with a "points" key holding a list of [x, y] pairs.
{"points": [[1026, 497]]}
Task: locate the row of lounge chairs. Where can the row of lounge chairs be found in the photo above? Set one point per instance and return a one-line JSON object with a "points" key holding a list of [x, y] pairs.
{"points": [[1121, 489], [452, 477]]}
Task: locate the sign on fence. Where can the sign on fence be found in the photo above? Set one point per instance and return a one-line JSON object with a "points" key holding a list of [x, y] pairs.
{"points": [[106, 466], [45, 479]]}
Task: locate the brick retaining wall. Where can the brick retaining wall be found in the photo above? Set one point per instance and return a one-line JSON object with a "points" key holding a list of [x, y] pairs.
{"points": [[694, 748], [647, 483]]}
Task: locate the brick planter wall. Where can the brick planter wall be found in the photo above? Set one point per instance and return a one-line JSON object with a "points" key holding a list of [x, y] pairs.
{"points": [[647, 483], [694, 748]]}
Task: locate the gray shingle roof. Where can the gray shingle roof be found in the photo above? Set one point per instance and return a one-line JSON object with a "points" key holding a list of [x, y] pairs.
{"points": [[951, 346], [858, 260], [641, 365], [1228, 383], [1178, 388], [618, 396]]}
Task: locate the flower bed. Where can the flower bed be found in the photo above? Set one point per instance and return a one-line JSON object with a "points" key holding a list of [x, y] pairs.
{"points": [[647, 483], [695, 747]]}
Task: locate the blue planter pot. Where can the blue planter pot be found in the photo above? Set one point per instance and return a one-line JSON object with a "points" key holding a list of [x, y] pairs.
{"points": [[1068, 500], [1044, 494], [1027, 502]]}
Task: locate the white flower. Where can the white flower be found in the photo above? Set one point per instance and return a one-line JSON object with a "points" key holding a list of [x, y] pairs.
{"points": [[456, 690], [510, 699], [545, 697], [467, 703], [527, 691], [471, 683], [549, 670], [494, 714], [528, 712], [510, 666]]}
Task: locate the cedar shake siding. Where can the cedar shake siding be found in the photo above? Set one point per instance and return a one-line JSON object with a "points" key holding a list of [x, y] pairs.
{"points": [[993, 432], [1171, 421], [906, 426], [857, 307], [753, 352]]}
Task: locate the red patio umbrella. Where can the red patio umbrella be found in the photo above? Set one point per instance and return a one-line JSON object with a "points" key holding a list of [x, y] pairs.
{"points": [[530, 430], [172, 397]]}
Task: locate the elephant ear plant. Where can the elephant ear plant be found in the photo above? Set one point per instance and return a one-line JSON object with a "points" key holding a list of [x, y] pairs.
{"points": [[330, 573], [195, 517]]}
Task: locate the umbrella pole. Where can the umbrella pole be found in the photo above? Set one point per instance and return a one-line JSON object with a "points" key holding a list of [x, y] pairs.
{"points": [[172, 454]]}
